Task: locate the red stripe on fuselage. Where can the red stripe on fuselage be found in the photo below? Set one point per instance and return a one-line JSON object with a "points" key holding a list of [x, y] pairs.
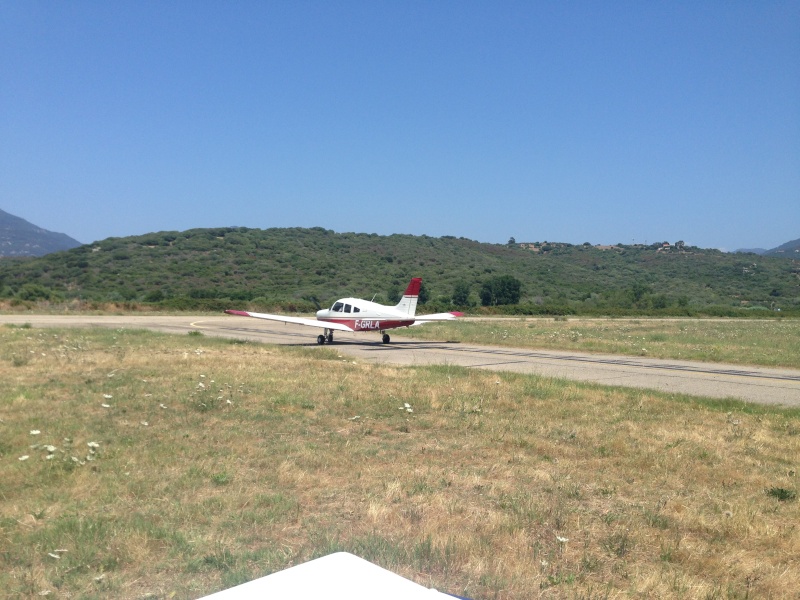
{"points": [[370, 324]]}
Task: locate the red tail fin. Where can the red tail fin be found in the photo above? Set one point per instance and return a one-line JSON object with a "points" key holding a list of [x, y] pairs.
{"points": [[408, 303], [413, 287]]}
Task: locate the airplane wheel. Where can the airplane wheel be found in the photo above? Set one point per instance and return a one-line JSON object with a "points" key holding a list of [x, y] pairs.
{"points": [[386, 338], [330, 338], [320, 339]]}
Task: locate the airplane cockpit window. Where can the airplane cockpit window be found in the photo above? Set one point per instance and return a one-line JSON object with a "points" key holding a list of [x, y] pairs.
{"points": [[337, 307], [346, 308]]}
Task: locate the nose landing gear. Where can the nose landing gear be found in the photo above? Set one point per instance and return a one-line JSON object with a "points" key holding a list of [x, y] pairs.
{"points": [[386, 339]]}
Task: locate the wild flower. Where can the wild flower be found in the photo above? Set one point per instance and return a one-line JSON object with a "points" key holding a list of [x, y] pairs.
{"points": [[107, 396], [24, 457], [35, 432]]}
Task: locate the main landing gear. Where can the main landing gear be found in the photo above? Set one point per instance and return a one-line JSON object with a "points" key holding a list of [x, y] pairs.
{"points": [[328, 337]]}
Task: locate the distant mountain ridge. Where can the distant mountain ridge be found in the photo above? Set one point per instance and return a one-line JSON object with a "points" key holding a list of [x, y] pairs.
{"points": [[788, 249], [19, 237]]}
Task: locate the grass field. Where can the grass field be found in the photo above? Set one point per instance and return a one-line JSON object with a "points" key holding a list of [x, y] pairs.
{"points": [[772, 343], [140, 465]]}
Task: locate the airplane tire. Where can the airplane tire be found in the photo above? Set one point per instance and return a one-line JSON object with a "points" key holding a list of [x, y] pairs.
{"points": [[386, 339], [320, 339]]}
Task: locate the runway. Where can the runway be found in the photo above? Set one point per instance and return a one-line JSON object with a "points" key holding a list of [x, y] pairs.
{"points": [[748, 383]]}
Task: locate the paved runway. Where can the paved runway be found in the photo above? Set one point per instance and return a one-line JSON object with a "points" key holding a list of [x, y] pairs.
{"points": [[752, 384]]}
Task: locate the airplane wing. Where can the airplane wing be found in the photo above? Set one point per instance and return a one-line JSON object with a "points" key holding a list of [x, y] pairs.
{"points": [[295, 320], [448, 316]]}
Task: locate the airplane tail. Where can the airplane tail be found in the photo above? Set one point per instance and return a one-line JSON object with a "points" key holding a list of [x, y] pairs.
{"points": [[408, 303]]}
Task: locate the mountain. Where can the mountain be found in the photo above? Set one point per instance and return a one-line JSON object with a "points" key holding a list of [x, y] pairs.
{"points": [[18, 237], [237, 267], [788, 249], [791, 249], [760, 251]]}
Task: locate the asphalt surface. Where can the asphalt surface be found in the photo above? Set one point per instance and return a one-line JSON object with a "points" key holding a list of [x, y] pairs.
{"points": [[748, 383]]}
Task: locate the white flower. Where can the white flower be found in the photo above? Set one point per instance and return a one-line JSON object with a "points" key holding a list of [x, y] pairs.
{"points": [[50, 449], [35, 432], [107, 396], [93, 445], [162, 406], [24, 457], [144, 423], [104, 405], [562, 540]]}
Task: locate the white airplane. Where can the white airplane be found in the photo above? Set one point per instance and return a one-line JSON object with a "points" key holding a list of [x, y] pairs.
{"points": [[354, 314]]}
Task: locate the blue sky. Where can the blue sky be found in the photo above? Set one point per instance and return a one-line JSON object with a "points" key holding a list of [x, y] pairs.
{"points": [[562, 121]]}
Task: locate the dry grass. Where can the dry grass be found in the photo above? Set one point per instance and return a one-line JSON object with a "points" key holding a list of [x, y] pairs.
{"points": [[495, 486], [773, 343]]}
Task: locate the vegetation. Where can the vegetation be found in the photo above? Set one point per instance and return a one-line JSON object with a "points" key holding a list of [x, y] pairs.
{"points": [[141, 465], [293, 269], [504, 289]]}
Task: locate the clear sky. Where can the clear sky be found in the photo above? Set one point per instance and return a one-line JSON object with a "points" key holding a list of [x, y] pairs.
{"points": [[596, 121]]}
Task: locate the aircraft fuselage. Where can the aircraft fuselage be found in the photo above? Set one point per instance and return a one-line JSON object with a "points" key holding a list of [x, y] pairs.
{"points": [[363, 315]]}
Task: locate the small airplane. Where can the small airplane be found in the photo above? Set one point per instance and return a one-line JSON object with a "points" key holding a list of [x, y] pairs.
{"points": [[354, 314]]}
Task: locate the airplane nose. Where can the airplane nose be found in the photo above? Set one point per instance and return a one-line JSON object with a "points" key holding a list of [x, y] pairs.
{"points": [[321, 313]]}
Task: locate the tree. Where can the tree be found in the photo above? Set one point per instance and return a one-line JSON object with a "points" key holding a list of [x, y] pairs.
{"points": [[503, 289], [424, 295], [461, 293], [512, 241]]}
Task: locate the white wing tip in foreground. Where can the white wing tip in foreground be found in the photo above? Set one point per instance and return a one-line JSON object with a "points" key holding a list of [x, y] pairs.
{"points": [[338, 576]]}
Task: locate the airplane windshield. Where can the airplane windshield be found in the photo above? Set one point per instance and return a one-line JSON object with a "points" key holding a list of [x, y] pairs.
{"points": [[337, 307]]}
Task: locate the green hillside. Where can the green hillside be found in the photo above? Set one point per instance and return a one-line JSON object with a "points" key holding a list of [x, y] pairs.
{"points": [[237, 266]]}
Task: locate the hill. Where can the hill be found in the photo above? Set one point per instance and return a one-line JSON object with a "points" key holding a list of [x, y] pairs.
{"points": [[788, 249], [236, 266], [18, 237]]}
